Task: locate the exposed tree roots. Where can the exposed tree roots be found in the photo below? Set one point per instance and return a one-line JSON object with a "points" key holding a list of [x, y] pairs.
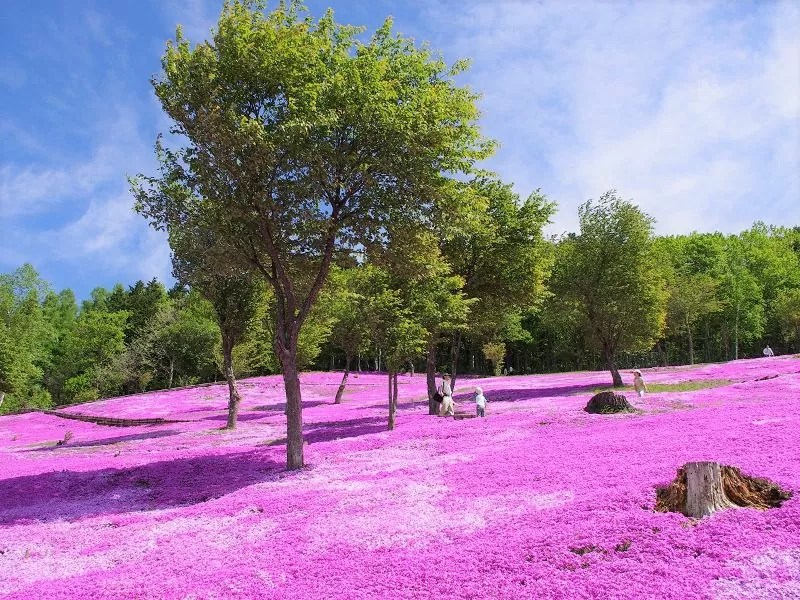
{"points": [[739, 489]]}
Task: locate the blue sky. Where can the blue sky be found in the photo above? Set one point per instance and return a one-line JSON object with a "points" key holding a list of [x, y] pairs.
{"points": [[690, 109]]}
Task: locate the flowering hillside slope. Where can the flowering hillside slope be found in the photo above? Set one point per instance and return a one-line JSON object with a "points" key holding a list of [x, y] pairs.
{"points": [[537, 500]]}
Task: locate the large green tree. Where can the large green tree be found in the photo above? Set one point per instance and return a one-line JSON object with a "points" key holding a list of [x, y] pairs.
{"points": [[299, 141], [691, 297], [787, 310], [27, 335], [607, 280], [503, 258]]}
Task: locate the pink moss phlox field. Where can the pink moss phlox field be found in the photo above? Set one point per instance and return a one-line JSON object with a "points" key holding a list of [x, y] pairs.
{"points": [[537, 500]]}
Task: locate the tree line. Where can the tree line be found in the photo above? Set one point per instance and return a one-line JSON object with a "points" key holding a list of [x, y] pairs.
{"points": [[325, 202], [709, 297]]}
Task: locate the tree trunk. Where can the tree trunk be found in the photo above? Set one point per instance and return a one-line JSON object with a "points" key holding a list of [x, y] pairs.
{"points": [[2, 397], [608, 357], [340, 391], [705, 493], [691, 345], [392, 391], [662, 353], [736, 334], [233, 393], [454, 359], [171, 372], [430, 374], [294, 409]]}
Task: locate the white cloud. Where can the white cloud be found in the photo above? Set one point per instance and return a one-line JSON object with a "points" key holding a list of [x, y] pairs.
{"points": [[196, 17], [692, 110], [111, 233], [101, 233]]}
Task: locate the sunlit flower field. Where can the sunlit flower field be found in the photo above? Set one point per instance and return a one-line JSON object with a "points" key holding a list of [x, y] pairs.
{"points": [[537, 500]]}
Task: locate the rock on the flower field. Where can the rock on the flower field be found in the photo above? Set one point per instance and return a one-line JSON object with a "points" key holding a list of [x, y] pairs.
{"points": [[702, 488], [608, 402]]}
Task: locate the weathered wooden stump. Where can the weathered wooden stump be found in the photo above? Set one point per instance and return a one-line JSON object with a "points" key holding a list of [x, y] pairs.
{"points": [[608, 402], [702, 488]]}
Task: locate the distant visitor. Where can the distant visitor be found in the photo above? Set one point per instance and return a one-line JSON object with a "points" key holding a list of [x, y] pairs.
{"points": [[480, 402], [638, 383], [768, 351], [447, 397]]}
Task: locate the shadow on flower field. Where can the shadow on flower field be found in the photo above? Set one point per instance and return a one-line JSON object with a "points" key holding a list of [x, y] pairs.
{"points": [[524, 394], [133, 437], [70, 495], [327, 431]]}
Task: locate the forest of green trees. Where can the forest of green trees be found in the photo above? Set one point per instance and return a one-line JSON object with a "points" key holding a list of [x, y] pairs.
{"points": [[723, 296]]}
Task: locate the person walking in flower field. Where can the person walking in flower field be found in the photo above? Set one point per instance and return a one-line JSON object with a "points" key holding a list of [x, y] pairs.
{"points": [[447, 397], [638, 383], [480, 402]]}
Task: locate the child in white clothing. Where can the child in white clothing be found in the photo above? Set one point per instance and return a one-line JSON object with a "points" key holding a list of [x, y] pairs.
{"points": [[638, 383], [480, 402]]}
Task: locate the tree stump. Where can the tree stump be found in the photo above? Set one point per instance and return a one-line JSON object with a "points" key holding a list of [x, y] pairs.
{"points": [[702, 488], [705, 493], [608, 402]]}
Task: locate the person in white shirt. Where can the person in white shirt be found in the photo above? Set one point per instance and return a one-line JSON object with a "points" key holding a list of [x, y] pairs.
{"points": [[480, 402], [448, 408], [768, 351], [638, 383]]}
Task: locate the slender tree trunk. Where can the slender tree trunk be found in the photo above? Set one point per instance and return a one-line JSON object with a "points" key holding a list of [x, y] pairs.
{"points": [[171, 372], [608, 357], [2, 397], [233, 393], [430, 374], [359, 362], [662, 354], [454, 359], [294, 408], [736, 334], [340, 391], [392, 378], [691, 345]]}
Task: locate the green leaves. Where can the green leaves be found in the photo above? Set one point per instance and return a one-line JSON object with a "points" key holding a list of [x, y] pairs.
{"points": [[607, 277], [787, 310]]}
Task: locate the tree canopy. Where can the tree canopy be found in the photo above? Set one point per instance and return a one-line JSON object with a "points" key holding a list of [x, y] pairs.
{"points": [[607, 280], [300, 142]]}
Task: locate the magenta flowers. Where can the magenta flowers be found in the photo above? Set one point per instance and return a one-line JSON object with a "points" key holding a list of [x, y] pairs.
{"points": [[538, 500]]}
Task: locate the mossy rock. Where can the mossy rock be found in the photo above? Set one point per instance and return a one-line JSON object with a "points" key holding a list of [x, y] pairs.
{"points": [[606, 403]]}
